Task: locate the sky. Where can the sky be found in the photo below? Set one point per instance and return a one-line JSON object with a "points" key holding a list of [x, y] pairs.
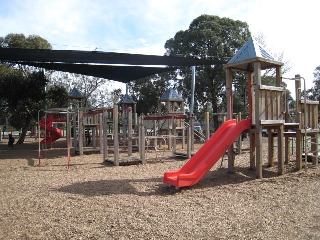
{"points": [[143, 26]]}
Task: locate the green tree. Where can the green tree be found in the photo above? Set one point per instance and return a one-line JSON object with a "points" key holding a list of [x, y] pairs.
{"points": [[208, 37], [22, 90], [314, 92], [147, 91], [56, 96], [14, 40], [21, 97]]}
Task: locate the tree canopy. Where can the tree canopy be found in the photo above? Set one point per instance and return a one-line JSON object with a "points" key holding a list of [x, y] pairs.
{"points": [[314, 92], [14, 40], [22, 91], [208, 37]]}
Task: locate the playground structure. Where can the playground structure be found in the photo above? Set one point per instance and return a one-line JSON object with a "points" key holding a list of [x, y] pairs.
{"points": [[96, 130], [169, 123], [266, 110]]}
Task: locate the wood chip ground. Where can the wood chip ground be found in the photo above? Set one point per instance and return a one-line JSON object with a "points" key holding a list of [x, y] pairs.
{"points": [[95, 200]]}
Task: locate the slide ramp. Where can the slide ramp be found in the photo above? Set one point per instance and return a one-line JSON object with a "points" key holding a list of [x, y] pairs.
{"points": [[52, 133], [208, 155]]}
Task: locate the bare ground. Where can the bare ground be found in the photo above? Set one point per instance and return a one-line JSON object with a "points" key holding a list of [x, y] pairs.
{"points": [[95, 200]]}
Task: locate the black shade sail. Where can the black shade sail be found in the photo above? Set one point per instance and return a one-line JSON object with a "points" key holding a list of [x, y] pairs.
{"points": [[117, 73], [101, 64]]}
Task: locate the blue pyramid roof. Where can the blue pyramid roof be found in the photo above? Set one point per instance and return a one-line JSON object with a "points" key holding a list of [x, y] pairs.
{"points": [[75, 93], [252, 50], [126, 99], [171, 94]]}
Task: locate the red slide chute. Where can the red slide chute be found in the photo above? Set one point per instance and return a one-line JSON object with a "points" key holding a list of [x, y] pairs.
{"points": [[198, 166], [52, 133]]}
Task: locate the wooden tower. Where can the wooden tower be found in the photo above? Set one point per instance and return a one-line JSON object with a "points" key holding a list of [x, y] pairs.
{"points": [[76, 103], [173, 102], [265, 102]]}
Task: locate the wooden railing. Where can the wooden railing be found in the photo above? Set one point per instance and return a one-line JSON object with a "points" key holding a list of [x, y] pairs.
{"points": [[310, 120], [270, 101]]}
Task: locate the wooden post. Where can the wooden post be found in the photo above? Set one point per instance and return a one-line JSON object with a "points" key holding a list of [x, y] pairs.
{"points": [[250, 91], [155, 133], [142, 144], [124, 124], [189, 140], [229, 116], [105, 135], [239, 146], [280, 150], [278, 76], [258, 154], [207, 121], [74, 130], [68, 138], [252, 151], [136, 126], [270, 148], [314, 148], [80, 132], [170, 128], [286, 149], [101, 132], [298, 149], [183, 137], [298, 99], [229, 93], [257, 80], [94, 137], [129, 131], [192, 132], [231, 159], [174, 132], [116, 135]]}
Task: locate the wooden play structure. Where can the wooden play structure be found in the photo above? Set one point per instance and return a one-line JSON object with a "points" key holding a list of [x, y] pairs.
{"points": [[267, 111], [95, 130], [171, 124], [169, 120]]}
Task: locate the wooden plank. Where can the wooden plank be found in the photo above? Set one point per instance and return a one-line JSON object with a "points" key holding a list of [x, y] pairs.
{"points": [[271, 88], [310, 102], [291, 125], [271, 122]]}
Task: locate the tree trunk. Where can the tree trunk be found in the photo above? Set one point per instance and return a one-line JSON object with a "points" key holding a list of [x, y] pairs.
{"points": [[23, 134], [215, 117]]}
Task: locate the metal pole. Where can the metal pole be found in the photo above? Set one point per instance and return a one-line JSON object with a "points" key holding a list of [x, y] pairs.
{"points": [[305, 122], [192, 88]]}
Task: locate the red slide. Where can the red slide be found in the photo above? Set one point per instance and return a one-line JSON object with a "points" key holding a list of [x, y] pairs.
{"points": [[52, 134], [198, 166]]}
